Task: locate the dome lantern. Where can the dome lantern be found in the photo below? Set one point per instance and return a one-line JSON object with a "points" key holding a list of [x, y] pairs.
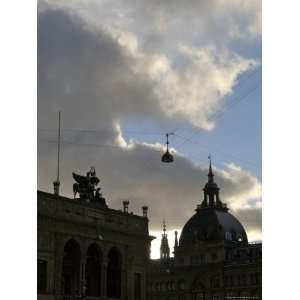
{"points": [[211, 191]]}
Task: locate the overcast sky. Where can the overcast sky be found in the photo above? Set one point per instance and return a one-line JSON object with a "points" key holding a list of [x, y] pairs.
{"points": [[123, 73]]}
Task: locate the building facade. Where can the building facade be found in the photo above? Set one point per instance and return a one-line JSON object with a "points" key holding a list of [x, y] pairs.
{"points": [[212, 259], [87, 250]]}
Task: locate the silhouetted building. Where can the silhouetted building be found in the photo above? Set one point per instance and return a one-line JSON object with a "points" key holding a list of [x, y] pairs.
{"points": [[212, 260], [88, 250]]}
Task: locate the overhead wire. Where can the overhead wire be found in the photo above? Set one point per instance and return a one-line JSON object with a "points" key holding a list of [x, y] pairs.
{"points": [[239, 84], [217, 151], [104, 130], [216, 116], [220, 114]]}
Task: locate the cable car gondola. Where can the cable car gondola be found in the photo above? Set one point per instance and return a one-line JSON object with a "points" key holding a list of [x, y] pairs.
{"points": [[167, 156]]}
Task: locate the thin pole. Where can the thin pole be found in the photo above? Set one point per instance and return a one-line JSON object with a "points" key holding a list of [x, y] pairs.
{"points": [[56, 192], [56, 183], [58, 147]]}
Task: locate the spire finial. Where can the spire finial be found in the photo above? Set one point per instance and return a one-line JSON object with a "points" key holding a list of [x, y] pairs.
{"points": [[210, 172], [167, 135], [164, 226]]}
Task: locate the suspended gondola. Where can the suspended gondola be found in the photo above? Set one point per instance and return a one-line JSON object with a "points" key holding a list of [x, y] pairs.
{"points": [[167, 156]]}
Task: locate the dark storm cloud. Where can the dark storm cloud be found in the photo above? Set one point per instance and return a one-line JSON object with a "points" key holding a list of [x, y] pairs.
{"points": [[85, 73]]}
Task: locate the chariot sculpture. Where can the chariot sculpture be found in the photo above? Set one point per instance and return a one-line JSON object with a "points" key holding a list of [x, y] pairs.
{"points": [[86, 187]]}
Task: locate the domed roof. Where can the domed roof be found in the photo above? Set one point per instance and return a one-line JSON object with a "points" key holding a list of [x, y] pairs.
{"points": [[212, 221], [212, 224]]}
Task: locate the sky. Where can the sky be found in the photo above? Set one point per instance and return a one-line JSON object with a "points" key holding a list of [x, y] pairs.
{"points": [[123, 73]]}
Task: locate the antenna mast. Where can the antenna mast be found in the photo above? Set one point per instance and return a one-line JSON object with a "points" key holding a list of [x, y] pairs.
{"points": [[56, 183]]}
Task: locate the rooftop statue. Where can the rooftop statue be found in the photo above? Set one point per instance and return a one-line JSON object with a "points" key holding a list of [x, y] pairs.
{"points": [[86, 187]]}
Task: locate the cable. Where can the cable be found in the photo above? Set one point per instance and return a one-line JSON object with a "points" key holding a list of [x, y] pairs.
{"points": [[239, 100], [240, 83], [88, 145], [220, 114], [218, 151], [104, 130], [145, 160]]}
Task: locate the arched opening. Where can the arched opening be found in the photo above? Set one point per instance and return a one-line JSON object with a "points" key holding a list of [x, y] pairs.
{"points": [[114, 267], [71, 269], [93, 271]]}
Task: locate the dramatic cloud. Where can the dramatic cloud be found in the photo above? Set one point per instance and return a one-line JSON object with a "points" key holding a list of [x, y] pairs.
{"points": [[100, 75], [105, 68], [157, 22]]}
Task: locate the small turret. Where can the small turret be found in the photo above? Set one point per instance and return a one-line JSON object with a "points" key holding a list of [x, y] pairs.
{"points": [[164, 247]]}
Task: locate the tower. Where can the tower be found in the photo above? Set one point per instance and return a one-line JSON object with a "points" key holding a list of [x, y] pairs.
{"points": [[211, 191], [164, 247]]}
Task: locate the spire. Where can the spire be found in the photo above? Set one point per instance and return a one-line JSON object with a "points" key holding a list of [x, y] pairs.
{"points": [[210, 172], [164, 246], [176, 239]]}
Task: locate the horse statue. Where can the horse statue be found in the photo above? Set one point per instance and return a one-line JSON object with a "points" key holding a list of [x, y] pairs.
{"points": [[85, 186]]}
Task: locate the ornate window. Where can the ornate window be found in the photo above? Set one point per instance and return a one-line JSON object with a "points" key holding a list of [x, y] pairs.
{"points": [[228, 236]]}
